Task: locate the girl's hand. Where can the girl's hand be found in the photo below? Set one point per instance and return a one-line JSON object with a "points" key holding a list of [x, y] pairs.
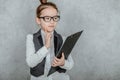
{"points": [[47, 39], [59, 62]]}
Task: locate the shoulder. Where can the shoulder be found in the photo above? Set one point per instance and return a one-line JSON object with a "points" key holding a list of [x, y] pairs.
{"points": [[29, 37], [61, 36]]}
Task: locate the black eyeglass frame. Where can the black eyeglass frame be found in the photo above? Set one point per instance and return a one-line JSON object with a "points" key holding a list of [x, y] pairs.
{"points": [[53, 18]]}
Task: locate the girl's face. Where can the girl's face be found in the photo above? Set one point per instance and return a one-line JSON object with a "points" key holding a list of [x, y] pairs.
{"points": [[46, 19]]}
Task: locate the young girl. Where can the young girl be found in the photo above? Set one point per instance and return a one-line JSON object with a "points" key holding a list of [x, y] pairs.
{"points": [[41, 47]]}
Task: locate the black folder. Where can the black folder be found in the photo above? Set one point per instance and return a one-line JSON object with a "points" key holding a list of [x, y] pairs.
{"points": [[66, 48]]}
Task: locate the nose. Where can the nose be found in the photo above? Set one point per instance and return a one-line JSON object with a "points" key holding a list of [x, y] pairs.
{"points": [[52, 21]]}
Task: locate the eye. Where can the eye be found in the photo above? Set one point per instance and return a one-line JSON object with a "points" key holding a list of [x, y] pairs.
{"points": [[47, 18], [56, 18]]}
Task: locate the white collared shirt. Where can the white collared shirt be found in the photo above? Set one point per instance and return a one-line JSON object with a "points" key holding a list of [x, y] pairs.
{"points": [[33, 59]]}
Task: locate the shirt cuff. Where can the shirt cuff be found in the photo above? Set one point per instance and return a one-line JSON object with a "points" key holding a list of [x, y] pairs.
{"points": [[66, 65]]}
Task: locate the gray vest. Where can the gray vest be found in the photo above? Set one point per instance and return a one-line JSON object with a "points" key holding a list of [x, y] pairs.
{"points": [[38, 43]]}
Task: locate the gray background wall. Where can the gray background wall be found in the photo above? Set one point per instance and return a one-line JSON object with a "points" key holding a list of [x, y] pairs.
{"points": [[96, 54]]}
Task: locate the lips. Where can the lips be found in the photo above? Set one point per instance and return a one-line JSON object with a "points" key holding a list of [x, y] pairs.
{"points": [[51, 26]]}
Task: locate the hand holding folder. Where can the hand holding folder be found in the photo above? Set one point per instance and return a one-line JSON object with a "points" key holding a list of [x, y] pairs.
{"points": [[66, 48]]}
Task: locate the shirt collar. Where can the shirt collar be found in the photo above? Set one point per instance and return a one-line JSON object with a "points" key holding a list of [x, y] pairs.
{"points": [[43, 32]]}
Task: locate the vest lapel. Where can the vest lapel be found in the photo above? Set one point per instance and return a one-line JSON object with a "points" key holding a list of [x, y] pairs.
{"points": [[56, 42], [38, 40]]}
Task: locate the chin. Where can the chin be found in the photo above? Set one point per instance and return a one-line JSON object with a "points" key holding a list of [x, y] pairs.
{"points": [[51, 30]]}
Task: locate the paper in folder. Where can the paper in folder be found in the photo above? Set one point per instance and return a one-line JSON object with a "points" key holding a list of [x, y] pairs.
{"points": [[66, 48]]}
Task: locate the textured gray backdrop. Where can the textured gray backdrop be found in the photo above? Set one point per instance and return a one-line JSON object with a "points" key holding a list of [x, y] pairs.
{"points": [[96, 54]]}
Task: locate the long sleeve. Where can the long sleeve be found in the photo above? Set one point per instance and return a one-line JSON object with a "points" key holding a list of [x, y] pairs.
{"points": [[69, 63], [33, 58]]}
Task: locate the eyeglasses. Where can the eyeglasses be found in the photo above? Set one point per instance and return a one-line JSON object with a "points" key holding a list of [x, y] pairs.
{"points": [[48, 18]]}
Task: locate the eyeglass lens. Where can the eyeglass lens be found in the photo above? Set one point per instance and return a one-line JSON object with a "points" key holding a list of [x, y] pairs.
{"points": [[48, 18]]}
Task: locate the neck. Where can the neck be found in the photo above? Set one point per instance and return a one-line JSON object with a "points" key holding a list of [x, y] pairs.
{"points": [[47, 31]]}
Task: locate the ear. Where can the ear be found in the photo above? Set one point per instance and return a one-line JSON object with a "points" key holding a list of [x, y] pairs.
{"points": [[37, 20]]}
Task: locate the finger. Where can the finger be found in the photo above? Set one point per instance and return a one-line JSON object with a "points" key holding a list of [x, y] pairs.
{"points": [[54, 64], [57, 59], [46, 35], [63, 56], [50, 35]]}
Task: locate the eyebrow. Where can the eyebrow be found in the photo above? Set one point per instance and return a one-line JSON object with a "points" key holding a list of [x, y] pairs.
{"points": [[50, 16]]}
